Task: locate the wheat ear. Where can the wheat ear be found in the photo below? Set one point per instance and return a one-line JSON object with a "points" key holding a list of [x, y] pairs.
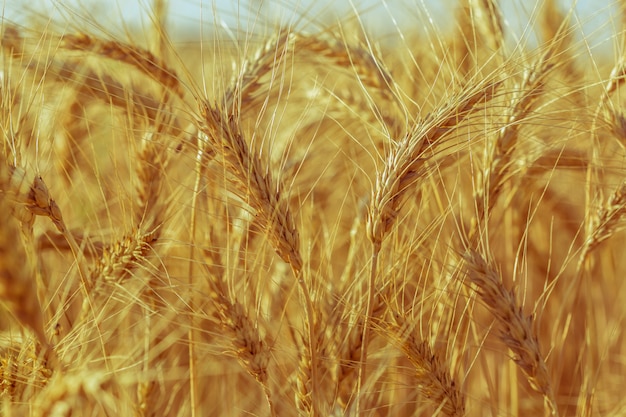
{"points": [[501, 148], [487, 18], [94, 84], [142, 59], [403, 164], [249, 345], [153, 158], [33, 198], [17, 278], [612, 113], [252, 181], [401, 170], [259, 189], [434, 379], [604, 221], [369, 70], [609, 219], [220, 127], [517, 331]]}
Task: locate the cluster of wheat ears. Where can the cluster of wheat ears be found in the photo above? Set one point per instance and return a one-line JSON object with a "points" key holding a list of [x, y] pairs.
{"points": [[314, 222]]}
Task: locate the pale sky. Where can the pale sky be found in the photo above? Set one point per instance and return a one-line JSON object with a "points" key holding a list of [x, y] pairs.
{"points": [[598, 18]]}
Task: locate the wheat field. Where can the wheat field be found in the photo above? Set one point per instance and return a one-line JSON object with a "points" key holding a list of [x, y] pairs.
{"points": [[313, 218]]}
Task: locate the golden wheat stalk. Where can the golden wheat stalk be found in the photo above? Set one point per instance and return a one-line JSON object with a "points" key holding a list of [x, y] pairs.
{"points": [[88, 83], [225, 137], [247, 82], [119, 259], [612, 113], [34, 196], [363, 62], [220, 126], [249, 346]]}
